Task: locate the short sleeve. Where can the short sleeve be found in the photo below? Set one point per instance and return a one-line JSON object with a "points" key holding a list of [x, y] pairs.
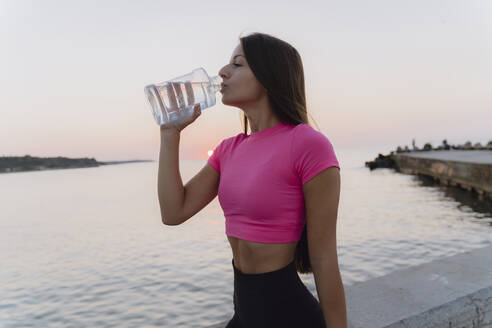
{"points": [[311, 153], [214, 159]]}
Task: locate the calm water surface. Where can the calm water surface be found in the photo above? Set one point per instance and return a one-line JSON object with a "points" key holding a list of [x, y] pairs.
{"points": [[86, 247]]}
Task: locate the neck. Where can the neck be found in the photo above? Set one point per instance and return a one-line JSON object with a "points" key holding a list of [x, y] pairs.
{"points": [[260, 115]]}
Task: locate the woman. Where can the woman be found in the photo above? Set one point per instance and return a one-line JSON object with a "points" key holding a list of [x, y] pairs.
{"points": [[278, 187]]}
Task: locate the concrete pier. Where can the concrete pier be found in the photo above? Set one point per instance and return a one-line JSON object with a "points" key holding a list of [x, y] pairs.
{"points": [[453, 292], [468, 169], [447, 293]]}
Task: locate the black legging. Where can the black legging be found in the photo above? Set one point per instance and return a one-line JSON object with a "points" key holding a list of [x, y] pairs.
{"points": [[274, 299]]}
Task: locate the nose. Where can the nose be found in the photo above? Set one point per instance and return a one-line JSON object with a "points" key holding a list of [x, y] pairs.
{"points": [[223, 73]]}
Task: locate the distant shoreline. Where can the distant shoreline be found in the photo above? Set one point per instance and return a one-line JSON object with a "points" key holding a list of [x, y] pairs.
{"points": [[124, 162], [13, 164]]}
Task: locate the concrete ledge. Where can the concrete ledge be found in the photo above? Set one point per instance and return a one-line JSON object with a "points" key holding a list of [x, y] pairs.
{"points": [[474, 310], [466, 169], [429, 295], [453, 292]]}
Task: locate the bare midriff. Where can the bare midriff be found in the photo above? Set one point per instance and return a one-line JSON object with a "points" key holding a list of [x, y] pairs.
{"points": [[252, 257]]}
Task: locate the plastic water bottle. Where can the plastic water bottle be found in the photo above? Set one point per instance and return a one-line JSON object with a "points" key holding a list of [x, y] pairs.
{"points": [[174, 100]]}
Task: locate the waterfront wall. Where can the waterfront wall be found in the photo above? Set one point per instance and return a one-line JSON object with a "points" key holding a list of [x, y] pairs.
{"points": [[453, 292], [467, 175]]}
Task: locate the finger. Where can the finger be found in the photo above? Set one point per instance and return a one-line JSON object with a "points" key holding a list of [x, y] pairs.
{"points": [[189, 93], [179, 94], [173, 104]]}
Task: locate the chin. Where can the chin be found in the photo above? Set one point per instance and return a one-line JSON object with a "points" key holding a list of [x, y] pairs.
{"points": [[226, 101]]}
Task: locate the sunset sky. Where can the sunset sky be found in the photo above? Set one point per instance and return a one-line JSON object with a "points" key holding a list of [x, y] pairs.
{"points": [[378, 73]]}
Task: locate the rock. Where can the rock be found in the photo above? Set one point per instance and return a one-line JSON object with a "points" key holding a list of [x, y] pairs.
{"points": [[382, 161], [427, 147], [445, 145]]}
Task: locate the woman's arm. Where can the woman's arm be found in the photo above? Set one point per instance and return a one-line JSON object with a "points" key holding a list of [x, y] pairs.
{"points": [[170, 189], [321, 195]]}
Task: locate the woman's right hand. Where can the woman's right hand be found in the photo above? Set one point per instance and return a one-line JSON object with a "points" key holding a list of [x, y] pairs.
{"points": [[181, 124]]}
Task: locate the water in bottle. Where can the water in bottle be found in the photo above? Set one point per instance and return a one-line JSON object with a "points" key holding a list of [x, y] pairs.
{"points": [[173, 100]]}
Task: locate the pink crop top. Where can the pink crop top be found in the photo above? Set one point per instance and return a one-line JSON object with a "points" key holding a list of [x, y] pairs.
{"points": [[261, 178]]}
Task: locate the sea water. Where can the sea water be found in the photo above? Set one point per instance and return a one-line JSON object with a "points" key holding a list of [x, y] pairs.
{"points": [[87, 248]]}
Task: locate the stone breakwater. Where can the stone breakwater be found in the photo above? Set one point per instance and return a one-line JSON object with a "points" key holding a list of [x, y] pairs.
{"points": [[387, 161], [470, 170]]}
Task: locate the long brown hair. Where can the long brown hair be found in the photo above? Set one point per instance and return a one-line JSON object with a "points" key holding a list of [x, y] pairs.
{"points": [[278, 67]]}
